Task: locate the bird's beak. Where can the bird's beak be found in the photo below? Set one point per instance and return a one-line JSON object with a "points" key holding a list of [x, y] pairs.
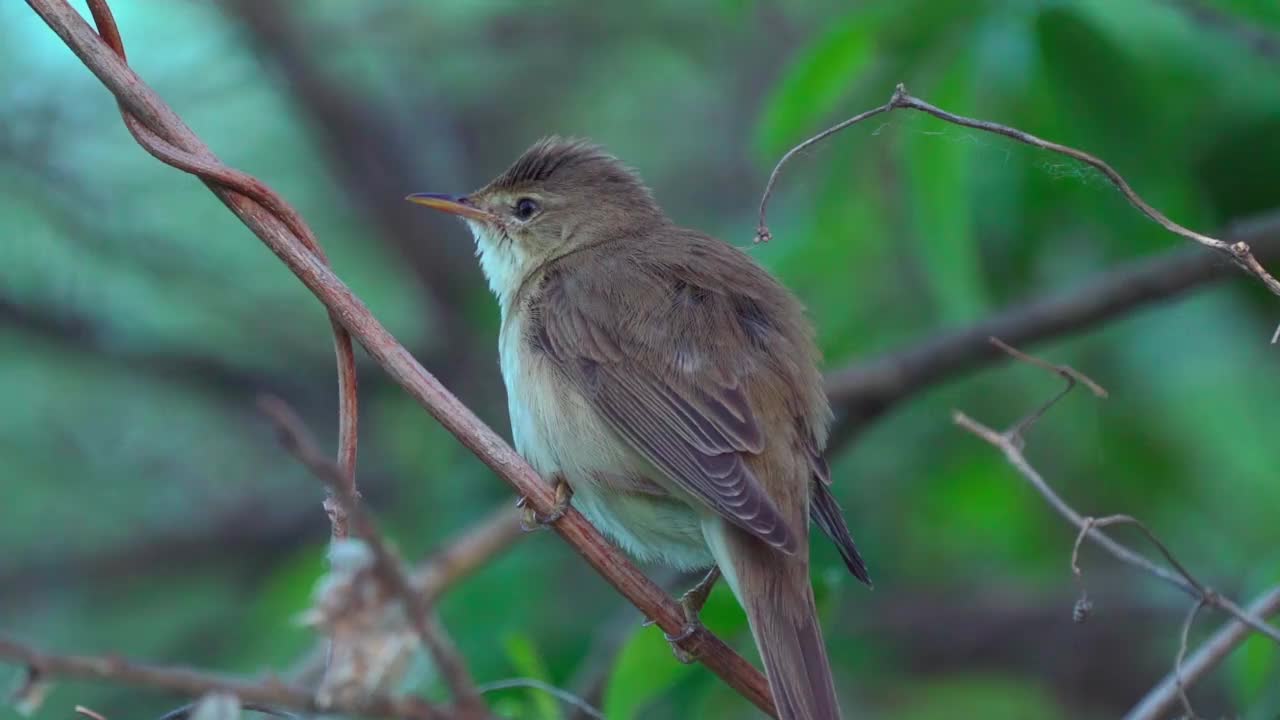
{"points": [[452, 204]]}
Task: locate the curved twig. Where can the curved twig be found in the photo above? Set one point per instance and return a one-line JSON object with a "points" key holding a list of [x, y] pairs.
{"points": [[1010, 444], [1239, 252], [1211, 653], [241, 191], [1182, 654]]}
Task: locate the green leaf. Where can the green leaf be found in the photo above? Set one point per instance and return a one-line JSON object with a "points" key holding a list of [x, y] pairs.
{"points": [[528, 663], [645, 669], [1254, 668], [939, 171], [816, 83]]}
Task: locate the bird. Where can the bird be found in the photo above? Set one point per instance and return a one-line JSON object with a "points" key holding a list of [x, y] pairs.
{"points": [[668, 386]]}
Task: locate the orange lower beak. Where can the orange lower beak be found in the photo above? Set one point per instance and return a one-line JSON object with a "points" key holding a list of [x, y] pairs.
{"points": [[453, 205]]}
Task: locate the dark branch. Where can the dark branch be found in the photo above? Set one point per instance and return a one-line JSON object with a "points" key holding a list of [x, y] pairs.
{"points": [[866, 390]]}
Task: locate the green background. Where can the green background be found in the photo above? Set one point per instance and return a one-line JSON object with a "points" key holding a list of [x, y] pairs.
{"points": [[146, 509]]}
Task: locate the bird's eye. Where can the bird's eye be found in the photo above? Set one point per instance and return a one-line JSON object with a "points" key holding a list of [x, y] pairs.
{"points": [[525, 208]]}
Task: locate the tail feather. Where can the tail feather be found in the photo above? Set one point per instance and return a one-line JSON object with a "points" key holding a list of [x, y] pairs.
{"points": [[774, 590]]}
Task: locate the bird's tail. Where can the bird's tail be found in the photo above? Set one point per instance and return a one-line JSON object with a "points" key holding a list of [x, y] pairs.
{"points": [[774, 590]]}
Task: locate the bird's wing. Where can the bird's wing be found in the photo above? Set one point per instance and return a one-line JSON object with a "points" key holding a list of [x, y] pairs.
{"points": [[640, 355]]}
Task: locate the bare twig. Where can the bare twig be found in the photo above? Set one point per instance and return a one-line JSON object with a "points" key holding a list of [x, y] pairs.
{"points": [[1239, 252], [297, 439], [1010, 445], [1182, 654], [89, 713], [1165, 695], [142, 102], [184, 712], [762, 227], [1070, 376], [1102, 522], [193, 683]]}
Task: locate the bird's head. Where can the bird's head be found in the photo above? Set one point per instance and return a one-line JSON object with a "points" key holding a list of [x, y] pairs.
{"points": [[558, 197]]}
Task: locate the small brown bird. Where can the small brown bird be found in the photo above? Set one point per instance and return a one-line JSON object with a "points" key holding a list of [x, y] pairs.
{"points": [[669, 386]]}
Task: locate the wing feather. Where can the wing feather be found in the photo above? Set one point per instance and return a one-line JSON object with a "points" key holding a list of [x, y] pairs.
{"points": [[696, 426]]}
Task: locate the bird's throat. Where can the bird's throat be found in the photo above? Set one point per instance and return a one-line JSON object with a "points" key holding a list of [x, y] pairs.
{"points": [[503, 262]]}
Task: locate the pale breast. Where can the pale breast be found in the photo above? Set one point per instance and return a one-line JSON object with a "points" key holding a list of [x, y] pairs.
{"points": [[551, 423], [557, 431]]}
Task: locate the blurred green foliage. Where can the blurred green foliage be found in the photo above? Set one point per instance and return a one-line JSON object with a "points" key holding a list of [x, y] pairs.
{"points": [[145, 509]]}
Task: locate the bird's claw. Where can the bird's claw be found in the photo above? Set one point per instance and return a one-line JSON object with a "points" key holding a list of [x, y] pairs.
{"points": [[691, 603], [692, 624], [531, 519]]}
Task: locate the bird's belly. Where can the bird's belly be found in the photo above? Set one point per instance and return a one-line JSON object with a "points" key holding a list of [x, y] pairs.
{"points": [[557, 431]]}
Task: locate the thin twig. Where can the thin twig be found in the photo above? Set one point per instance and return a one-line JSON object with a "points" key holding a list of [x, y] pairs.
{"points": [[1011, 446], [1182, 654], [1239, 251], [297, 440], [89, 713], [194, 683], [607, 560], [184, 712], [1164, 696], [561, 694], [1199, 587], [1069, 375], [762, 227]]}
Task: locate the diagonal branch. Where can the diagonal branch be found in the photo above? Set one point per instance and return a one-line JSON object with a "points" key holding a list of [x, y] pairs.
{"points": [[864, 391], [281, 238], [1162, 697]]}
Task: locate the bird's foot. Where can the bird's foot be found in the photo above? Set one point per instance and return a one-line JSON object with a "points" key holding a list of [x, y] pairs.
{"points": [[531, 519], [691, 603]]}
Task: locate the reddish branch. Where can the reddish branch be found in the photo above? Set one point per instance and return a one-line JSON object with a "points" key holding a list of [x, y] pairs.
{"points": [[163, 134], [170, 140], [195, 683]]}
